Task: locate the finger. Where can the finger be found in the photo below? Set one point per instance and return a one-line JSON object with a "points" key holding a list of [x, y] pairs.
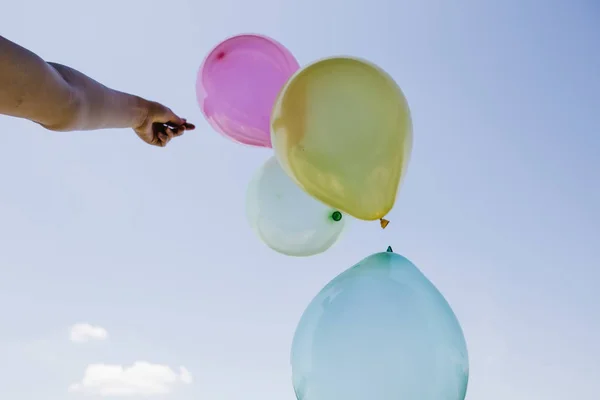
{"points": [[172, 126], [171, 132], [156, 142], [185, 126], [188, 126], [158, 127], [163, 139], [172, 118], [180, 131]]}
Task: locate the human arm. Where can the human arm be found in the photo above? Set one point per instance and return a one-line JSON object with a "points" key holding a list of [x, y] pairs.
{"points": [[62, 99]]}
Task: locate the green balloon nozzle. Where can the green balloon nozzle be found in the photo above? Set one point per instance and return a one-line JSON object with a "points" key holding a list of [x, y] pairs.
{"points": [[389, 249], [336, 216]]}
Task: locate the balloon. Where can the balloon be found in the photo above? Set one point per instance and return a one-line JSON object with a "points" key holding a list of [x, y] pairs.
{"points": [[237, 85], [380, 331], [287, 219], [341, 128]]}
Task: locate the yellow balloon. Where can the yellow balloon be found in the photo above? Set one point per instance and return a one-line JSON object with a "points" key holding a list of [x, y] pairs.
{"points": [[341, 128]]}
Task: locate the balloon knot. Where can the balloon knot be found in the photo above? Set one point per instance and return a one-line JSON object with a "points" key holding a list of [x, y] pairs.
{"points": [[384, 223], [389, 249]]}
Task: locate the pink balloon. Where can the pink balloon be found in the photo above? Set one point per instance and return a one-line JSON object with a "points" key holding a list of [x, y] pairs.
{"points": [[238, 83]]}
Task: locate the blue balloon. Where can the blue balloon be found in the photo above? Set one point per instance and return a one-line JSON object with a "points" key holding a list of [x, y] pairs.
{"points": [[380, 331]]}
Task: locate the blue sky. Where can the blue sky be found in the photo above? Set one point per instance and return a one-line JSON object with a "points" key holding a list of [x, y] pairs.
{"points": [[499, 208]]}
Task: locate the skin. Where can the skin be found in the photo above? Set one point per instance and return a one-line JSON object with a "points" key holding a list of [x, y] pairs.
{"points": [[62, 99]]}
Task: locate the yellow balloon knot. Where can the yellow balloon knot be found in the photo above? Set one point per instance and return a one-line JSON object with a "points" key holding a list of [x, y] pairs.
{"points": [[384, 223]]}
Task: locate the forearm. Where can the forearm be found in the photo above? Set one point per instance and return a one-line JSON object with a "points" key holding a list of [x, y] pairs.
{"points": [[61, 98], [99, 107]]}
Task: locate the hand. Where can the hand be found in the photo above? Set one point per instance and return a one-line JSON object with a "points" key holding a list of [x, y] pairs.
{"points": [[160, 125]]}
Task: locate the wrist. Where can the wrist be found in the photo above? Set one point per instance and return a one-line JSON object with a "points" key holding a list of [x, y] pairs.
{"points": [[140, 112]]}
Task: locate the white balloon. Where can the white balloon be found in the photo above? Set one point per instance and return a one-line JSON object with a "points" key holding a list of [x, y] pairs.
{"points": [[287, 219]]}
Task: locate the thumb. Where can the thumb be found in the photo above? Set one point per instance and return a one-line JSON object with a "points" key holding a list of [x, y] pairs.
{"points": [[164, 115], [171, 118]]}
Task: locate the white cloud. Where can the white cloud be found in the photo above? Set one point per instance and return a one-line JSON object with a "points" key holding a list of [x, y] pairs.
{"points": [[185, 376], [81, 333], [140, 379]]}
